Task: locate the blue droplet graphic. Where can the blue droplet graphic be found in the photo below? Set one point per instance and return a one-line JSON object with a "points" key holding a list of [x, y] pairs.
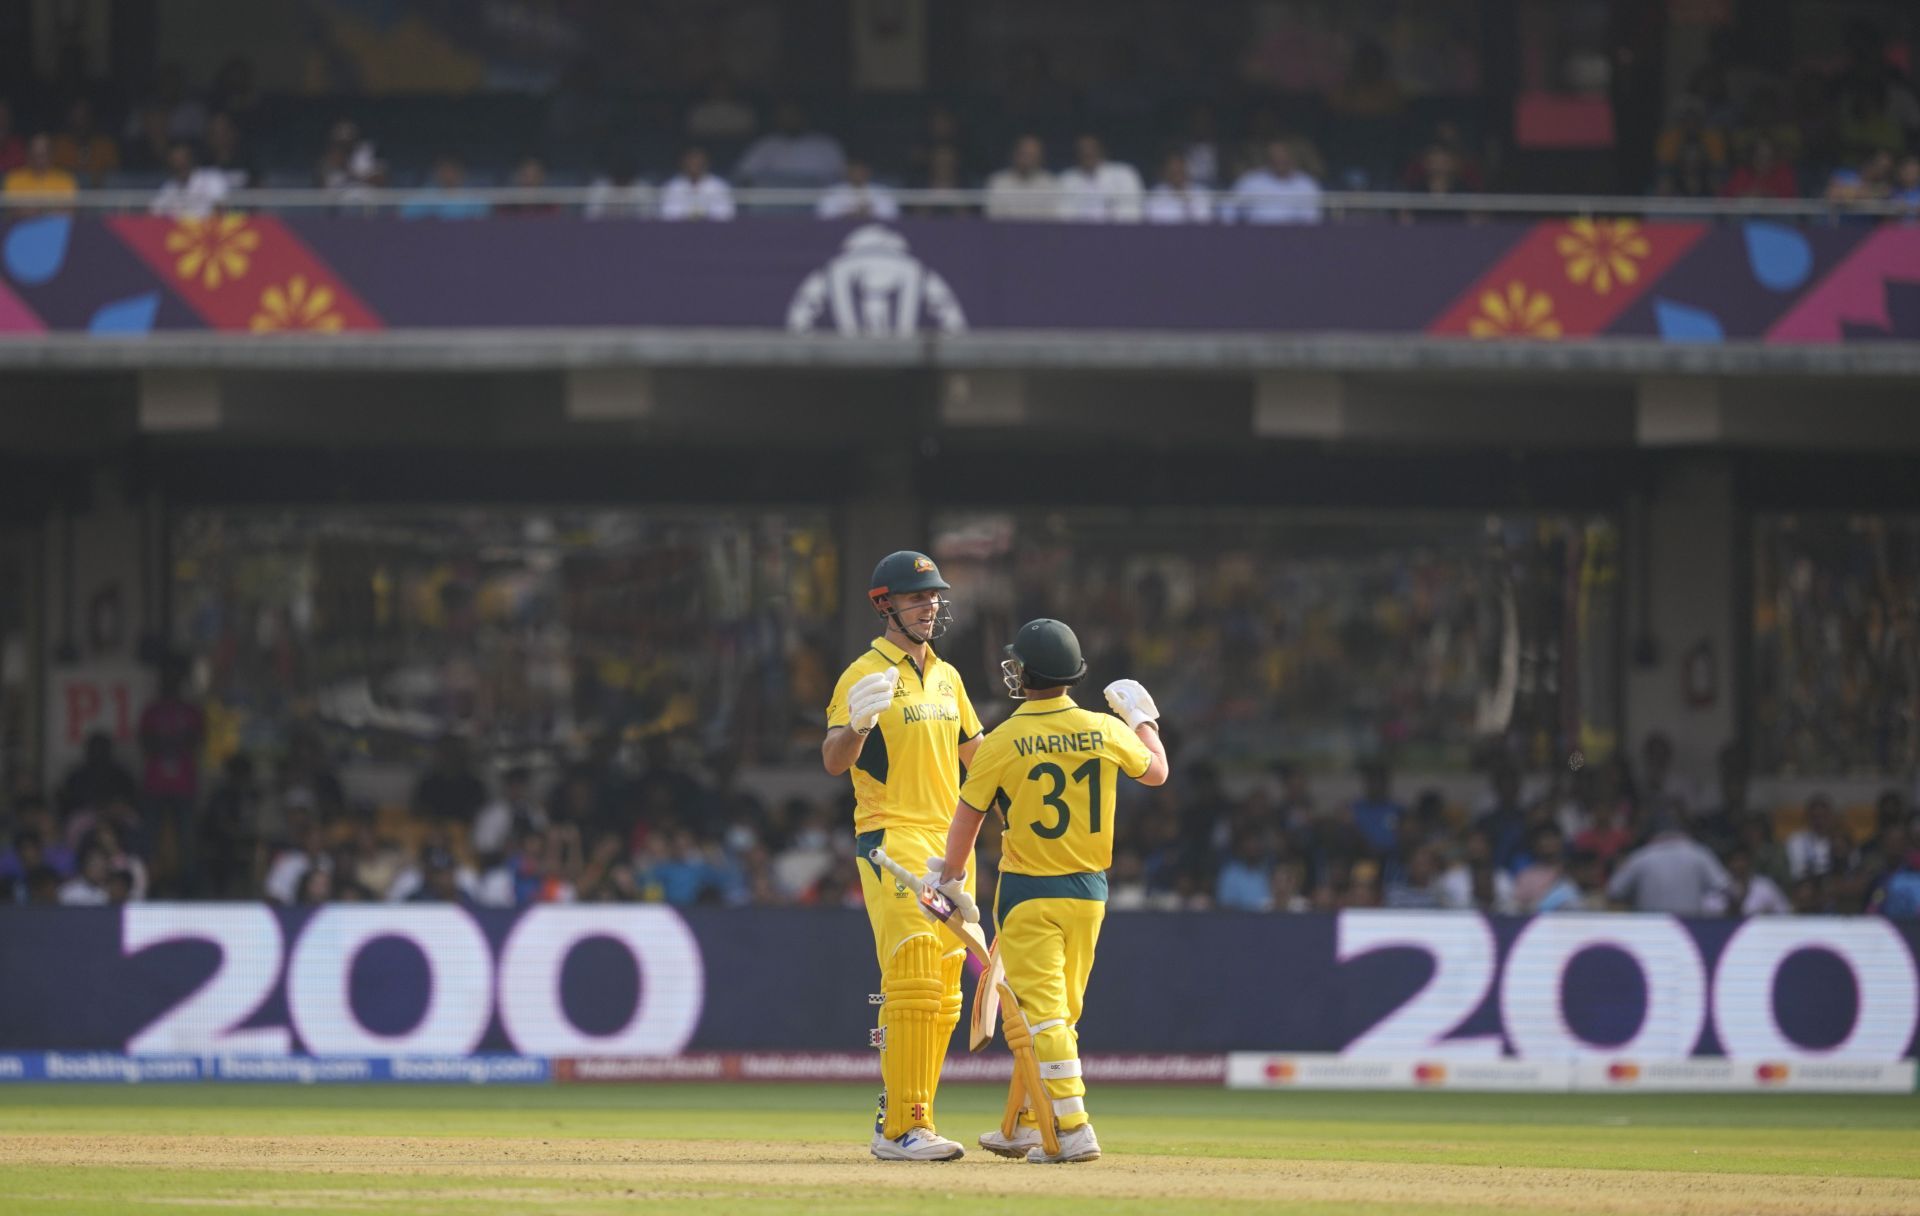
{"points": [[1682, 323], [1780, 257], [37, 248], [133, 315]]}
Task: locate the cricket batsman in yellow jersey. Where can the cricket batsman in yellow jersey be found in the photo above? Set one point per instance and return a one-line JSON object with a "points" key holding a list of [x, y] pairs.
{"points": [[901, 723], [1051, 770]]}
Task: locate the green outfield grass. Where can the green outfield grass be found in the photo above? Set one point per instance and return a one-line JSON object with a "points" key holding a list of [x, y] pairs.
{"points": [[728, 1148]]}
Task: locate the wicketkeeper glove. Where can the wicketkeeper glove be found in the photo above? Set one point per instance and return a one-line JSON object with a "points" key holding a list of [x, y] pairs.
{"points": [[869, 698], [1131, 702], [954, 889]]}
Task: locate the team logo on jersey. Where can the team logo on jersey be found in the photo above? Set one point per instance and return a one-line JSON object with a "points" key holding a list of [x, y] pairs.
{"points": [[876, 287], [945, 688]]}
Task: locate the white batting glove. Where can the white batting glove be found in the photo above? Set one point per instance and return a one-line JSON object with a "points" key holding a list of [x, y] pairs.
{"points": [[954, 889], [869, 698], [1131, 702]]}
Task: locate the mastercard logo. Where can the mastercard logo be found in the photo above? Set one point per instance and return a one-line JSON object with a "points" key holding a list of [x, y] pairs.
{"points": [[1622, 1071], [1771, 1074], [1430, 1074], [1280, 1070]]}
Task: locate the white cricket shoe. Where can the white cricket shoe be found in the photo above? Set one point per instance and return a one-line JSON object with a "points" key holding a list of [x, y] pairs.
{"points": [[1016, 1145], [917, 1144], [1076, 1145]]}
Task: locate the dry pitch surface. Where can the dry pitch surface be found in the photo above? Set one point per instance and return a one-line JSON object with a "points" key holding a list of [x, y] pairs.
{"points": [[709, 1149]]}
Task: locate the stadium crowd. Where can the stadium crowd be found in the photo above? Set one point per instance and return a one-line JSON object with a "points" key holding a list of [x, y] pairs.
{"points": [[647, 826], [1846, 134]]}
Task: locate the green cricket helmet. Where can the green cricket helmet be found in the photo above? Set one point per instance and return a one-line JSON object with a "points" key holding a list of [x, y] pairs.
{"points": [[902, 572], [1044, 654]]}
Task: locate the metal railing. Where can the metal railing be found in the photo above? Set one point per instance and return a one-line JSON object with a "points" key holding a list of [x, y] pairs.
{"points": [[639, 202]]}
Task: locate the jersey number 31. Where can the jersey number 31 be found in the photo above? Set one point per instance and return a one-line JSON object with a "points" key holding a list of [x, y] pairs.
{"points": [[1087, 774]]}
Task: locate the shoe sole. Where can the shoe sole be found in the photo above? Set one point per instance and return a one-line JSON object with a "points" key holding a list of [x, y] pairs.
{"points": [[958, 1153], [1012, 1154], [1075, 1160]]}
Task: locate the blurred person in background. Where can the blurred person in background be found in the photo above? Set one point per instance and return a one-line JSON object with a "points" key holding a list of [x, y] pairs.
{"points": [[1821, 846], [1671, 873], [172, 731], [943, 172], [1898, 898], [1418, 885], [228, 154], [1582, 887], [1276, 192], [84, 150], [190, 192], [304, 849], [619, 193], [1375, 813], [1749, 893], [791, 156], [1175, 199], [694, 193], [1440, 175], [1690, 153], [1761, 174], [1545, 869], [856, 197], [1199, 149], [1867, 180], [1245, 881], [88, 887], [442, 879], [1658, 779], [1098, 190], [445, 196], [511, 815], [230, 832], [1503, 817], [1024, 190], [98, 779]]}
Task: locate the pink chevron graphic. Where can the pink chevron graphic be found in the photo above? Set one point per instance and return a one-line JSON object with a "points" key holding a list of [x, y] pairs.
{"points": [[1855, 290], [15, 316]]}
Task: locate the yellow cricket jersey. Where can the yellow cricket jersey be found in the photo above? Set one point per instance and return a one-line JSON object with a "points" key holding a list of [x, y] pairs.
{"points": [[908, 773], [1052, 767]]}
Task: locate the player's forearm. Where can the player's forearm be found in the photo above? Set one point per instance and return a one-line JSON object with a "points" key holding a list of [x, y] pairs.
{"points": [[961, 835], [1158, 768], [841, 748]]}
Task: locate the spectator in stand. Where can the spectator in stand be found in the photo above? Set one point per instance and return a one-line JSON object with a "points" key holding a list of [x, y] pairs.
{"points": [[1375, 812], [1821, 848], [808, 855], [1245, 883], [1545, 870], [1504, 817], [38, 175], [148, 147], [791, 156], [29, 854], [943, 173], [1473, 880], [943, 138], [304, 849], [1671, 873], [1024, 190], [1899, 897], [13, 149], [227, 153], [511, 816], [445, 197], [1440, 175], [695, 194], [1278, 192], [1870, 182], [1761, 174], [1462, 168], [83, 150], [1691, 155], [1098, 190], [720, 114], [857, 197], [685, 872], [441, 879], [88, 886], [43, 886], [348, 165], [619, 193], [1750, 893], [1725, 825], [1176, 199], [1200, 149], [1906, 185], [1582, 888], [230, 832], [529, 174], [1659, 780], [449, 794], [190, 192], [1419, 886], [172, 730], [98, 779]]}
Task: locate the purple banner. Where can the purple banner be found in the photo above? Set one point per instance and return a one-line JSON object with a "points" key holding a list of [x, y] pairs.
{"points": [[610, 980]]}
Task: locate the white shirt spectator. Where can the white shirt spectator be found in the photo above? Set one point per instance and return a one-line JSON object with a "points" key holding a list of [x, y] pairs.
{"points": [[1809, 854], [287, 873], [1456, 890], [1012, 195], [1672, 873], [800, 160], [1264, 197], [708, 198], [495, 825], [193, 199], [847, 199], [1764, 898], [1166, 205], [77, 892], [1110, 193], [608, 199]]}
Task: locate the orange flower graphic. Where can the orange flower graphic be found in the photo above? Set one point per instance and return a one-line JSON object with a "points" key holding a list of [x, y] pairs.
{"points": [[1601, 253], [214, 250], [1517, 313], [298, 305]]}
